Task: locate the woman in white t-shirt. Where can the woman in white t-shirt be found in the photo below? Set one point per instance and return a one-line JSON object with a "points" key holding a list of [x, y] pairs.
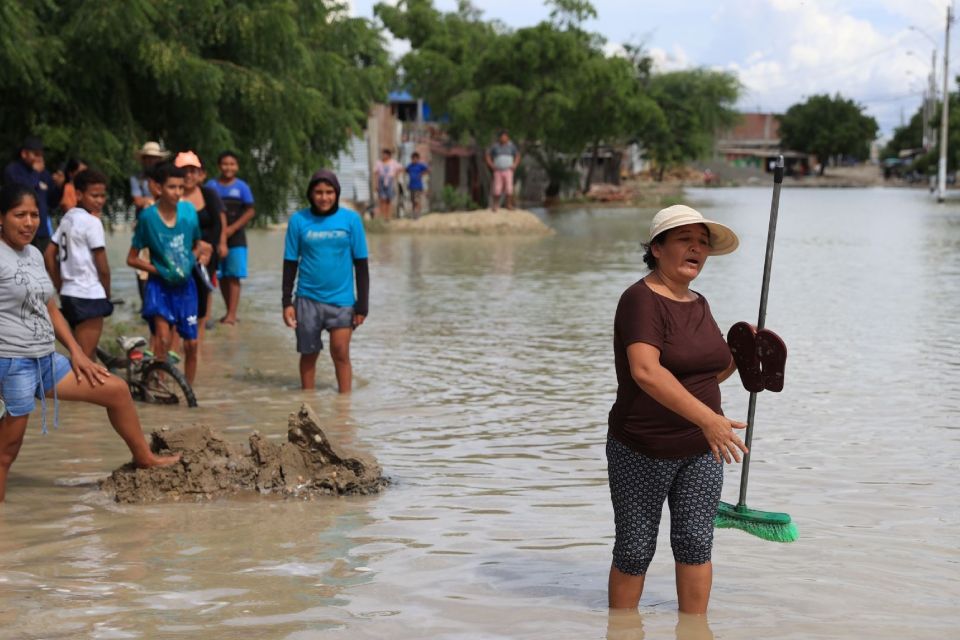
{"points": [[77, 261]]}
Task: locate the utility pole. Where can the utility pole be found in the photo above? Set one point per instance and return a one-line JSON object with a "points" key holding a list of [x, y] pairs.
{"points": [[942, 169]]}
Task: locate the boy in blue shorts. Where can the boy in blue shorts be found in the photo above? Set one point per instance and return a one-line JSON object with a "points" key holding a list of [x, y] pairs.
{"points": [[238, 201], [171, 231], [415, 171], [327, 245]]}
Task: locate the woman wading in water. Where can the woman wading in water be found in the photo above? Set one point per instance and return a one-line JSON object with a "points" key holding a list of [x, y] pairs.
{"points": [[29, 366], [668, 438]]}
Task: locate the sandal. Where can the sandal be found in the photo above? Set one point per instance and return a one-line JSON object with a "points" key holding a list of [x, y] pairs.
{"points": [[772, 353], [742, 339]]}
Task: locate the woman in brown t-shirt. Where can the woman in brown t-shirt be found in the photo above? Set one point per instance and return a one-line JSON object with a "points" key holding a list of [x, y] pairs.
{"points": [[667, 435]]}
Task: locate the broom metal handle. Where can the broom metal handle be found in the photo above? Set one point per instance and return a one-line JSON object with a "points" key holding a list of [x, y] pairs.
{"points": [[764, 290]]}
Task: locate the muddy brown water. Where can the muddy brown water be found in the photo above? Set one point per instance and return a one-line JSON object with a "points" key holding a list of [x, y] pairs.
{"points": [[484, 377]]}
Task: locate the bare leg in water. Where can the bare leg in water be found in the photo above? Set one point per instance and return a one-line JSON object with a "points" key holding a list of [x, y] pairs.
{"points": [[694, 582]]}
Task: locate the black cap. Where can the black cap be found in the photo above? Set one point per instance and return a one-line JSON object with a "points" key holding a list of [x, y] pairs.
{"points": [[32, 143]]}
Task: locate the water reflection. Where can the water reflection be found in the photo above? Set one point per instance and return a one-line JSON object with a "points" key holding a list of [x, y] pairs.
{"points": [[627, 624]]}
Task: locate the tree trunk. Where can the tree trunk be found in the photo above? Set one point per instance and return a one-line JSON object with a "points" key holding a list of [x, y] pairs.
{"points": [[660, 171], [593, 163]]}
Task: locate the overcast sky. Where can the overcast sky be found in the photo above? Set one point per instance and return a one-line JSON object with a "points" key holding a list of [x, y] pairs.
{"points": [[782, 50]]}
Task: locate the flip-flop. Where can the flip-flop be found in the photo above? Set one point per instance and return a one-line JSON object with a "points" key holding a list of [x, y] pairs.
{"points": [[772, 353], [742, 339]]}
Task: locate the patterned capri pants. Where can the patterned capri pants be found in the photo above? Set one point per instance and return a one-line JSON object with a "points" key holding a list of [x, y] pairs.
{"points": [[638, 487]]}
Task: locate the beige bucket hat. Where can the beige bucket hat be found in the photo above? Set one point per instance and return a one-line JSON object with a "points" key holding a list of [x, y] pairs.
{"points": [[722, 238], [152, 150]]}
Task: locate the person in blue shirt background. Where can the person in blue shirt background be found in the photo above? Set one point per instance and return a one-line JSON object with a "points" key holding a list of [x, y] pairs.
{"points": [[415, 171], [29, 170], [237, 199], [324, 250]]}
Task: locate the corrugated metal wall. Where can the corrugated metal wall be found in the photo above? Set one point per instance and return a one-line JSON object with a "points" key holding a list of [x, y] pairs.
{"points": [[353, 170]]}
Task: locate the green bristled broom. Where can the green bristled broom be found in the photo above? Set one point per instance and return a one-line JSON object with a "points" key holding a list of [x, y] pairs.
{"points": [[776, 527]]}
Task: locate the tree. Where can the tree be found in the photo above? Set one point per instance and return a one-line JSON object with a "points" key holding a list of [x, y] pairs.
{"points": [[281, 82], [550, 84], [695, 103], [828, 126], [909, 136]]}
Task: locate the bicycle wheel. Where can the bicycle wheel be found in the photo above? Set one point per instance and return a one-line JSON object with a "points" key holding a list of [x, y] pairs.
{"points": [[163, 383]]}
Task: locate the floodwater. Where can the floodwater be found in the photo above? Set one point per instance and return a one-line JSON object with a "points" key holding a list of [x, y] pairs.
{"points": [[484, 377]]}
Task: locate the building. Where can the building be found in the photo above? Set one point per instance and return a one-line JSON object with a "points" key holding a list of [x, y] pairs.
{"points": [[754, 142]]}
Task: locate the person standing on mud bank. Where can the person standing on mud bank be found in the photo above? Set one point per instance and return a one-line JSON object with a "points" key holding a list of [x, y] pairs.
{"points": [[237, 199], [29, 366], [386, 172], [29, 170], [668, 437], [324, 251], [503, 158], [415, 171]]}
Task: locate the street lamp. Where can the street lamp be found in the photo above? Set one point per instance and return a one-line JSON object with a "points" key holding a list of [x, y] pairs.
{"points": [[923, 33]]}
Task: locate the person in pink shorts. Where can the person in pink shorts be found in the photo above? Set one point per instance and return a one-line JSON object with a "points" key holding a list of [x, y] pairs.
{"points": [[503, 157]]}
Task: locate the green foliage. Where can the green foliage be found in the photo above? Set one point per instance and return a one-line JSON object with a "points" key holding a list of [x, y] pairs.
{"points": [[909, 136], [828, 126], [553, 86], [550, 84], [693, 105], [281, 82], [929, 162], [571, 13], [455, 200]]}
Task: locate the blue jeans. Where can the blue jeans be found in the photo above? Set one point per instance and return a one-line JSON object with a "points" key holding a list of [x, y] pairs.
{"points": [[23, 379]]}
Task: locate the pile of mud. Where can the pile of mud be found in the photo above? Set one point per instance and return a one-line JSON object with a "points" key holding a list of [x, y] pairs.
{"points": [[308, 464], [484, 222]]}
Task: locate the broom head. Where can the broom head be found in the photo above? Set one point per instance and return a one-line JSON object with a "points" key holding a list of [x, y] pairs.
{"points": [[768, 525]]}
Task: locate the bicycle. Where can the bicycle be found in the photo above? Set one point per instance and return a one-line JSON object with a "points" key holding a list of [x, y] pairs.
{"points": [[150, 380]]}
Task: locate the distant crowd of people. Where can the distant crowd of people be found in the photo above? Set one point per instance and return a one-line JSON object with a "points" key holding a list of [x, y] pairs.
{"points": [[387, 184], [502, 158]]}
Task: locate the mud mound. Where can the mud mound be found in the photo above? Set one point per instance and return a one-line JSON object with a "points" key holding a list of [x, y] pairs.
{"points": [[308, 464], [484, 222]]}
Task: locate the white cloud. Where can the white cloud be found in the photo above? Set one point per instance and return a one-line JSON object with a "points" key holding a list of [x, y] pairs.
{"points": [[672, 60], [824, 48]]}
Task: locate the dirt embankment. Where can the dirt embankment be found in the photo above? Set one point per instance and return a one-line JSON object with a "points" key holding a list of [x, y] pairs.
{"points": [[308, 464], [482, 222]]}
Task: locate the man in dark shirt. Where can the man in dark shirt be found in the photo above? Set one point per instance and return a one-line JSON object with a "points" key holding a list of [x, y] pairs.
{"points": [[29, 170]]}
